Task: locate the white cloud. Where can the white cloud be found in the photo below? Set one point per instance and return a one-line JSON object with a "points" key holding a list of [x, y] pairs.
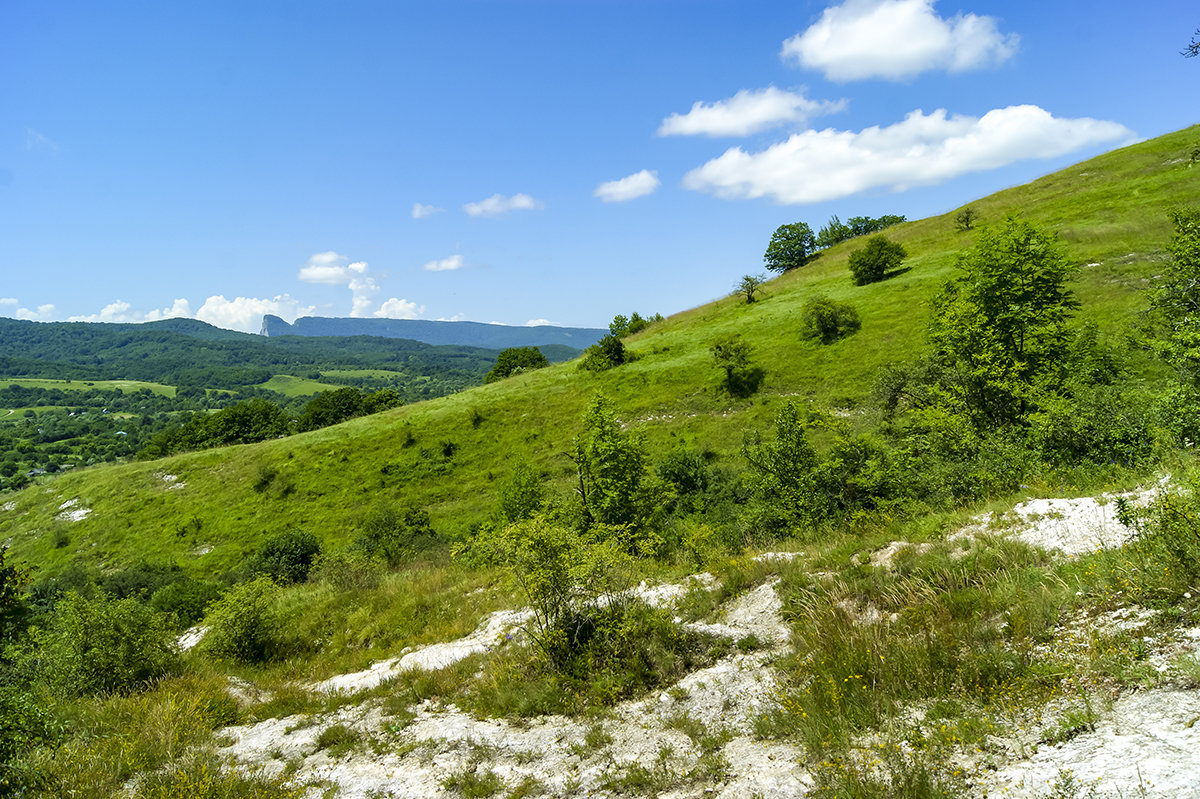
{"points": [[747, 112], [327, 268], [122, 311], [8, 301], [538, 323], [245, 313], [636, 185], [445, 264], [180, 309], [331, 269], [923, 149], [399, 309], [896, 40], [44, 313], [420, 210], [498, 204]]}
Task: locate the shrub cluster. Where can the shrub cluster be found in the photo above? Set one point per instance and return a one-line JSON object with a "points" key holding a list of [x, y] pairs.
{"points": [[826, 320]]}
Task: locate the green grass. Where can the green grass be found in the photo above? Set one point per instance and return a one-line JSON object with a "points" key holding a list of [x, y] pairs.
{"points": [[1110, 211], [292, 386], [124, 386]]}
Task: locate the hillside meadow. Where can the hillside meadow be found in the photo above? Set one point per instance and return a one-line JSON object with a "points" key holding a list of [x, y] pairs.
{"points": [[1110, 214], [634, 582]]}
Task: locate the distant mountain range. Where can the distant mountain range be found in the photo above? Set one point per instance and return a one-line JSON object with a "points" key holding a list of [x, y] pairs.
{"points": [[463, 334]]}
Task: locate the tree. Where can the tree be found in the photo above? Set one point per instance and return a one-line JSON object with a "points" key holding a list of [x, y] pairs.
{"points": [[615, 488], [514, 361], [834, 232], [965, 219], [1193, 48], [1176, 303], [331, 407], [791, 246], [1001, 324], [732, 353], [826, 320], [749, 285], [621, 326], [874, 261]]}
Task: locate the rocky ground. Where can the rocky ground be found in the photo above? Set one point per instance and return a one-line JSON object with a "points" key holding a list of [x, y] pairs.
{"points": [[697, 739]]}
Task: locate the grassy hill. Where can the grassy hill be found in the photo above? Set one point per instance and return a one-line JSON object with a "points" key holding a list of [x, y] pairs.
{"points": [[447, 455], [875, 655]]}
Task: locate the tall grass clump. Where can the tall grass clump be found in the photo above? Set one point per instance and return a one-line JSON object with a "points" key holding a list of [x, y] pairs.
{"points": [[934, 626]]}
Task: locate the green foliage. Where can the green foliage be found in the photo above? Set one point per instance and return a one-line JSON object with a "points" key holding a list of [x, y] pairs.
{"points": [[395, 535], [140, 580], [562, 573], [791, 246], [1093, 424], [689, 476], [826, 320], [286, 556], [965, 219], [381, 400], [836, 231], [1000, 327], [1175, 303], [25, 723], [516, 360], [614, 484], [795, 489], [732, 354], [14, 608], [331, 407], [245, 423], [522, 495], [621, 326], [749, 286], [474, 782], [607, 353], [872, 263], [105, 645], [187, 599], [1167, 533], [243, 624]]}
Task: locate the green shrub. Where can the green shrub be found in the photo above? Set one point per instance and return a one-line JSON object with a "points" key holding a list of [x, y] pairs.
{"points": [[140, 580], [872, 263], [522, 495], [604, 654], [560, 570], [186, 599], [396, 536], [826, 320], [615, 487], [105, 645], [1096, 424], [607, 353], [24, 723], [243, 624], [286, 556], [516, 360]]}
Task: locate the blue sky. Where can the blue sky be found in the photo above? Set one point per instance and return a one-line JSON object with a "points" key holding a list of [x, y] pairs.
{"points": [[516, 161]]}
